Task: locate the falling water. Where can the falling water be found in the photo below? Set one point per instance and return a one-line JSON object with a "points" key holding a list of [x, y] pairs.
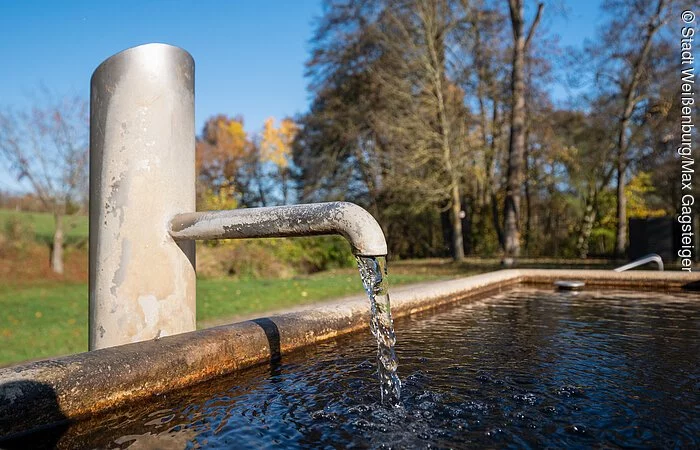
{"points": [[373, 273]]}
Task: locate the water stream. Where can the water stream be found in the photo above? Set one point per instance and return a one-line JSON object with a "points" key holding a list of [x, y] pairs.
{"points": [[373, 272]]}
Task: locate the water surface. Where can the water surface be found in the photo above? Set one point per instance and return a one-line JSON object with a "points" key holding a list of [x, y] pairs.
{"points": [[528, 368]]}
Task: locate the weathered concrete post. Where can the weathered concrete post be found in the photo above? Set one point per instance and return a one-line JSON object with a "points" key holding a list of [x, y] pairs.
{"points": [[142, 283]]}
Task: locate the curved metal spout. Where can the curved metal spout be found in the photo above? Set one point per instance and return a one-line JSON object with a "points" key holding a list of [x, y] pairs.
{"points": [[343, 218]]}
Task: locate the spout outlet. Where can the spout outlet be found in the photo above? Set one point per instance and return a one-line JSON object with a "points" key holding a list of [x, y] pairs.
{"points": [[346, 219]]}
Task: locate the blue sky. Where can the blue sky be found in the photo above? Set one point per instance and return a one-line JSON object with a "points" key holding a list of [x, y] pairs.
{"points": [[249, 55]]}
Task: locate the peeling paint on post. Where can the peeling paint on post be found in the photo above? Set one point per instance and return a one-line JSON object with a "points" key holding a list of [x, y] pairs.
{"points": [[142, 283]]}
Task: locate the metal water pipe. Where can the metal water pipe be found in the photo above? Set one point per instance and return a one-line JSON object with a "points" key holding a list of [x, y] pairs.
{"points": [[352, 222], [652, 257], [142, 201], [142, 282]]}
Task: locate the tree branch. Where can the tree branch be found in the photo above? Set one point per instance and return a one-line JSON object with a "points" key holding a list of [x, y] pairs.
{"points": [[536, 22]]}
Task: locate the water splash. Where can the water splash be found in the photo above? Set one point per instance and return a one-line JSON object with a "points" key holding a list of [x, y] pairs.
{"points": [[373, 272]]}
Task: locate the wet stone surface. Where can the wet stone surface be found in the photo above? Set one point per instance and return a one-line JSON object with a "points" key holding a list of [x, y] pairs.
{"points": [[528, 368]]}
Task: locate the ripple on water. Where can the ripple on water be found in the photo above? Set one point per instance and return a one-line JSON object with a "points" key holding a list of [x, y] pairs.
{"points": [[524, 368]]}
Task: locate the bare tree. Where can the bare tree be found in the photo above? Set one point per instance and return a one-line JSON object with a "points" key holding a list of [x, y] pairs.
{"points": [[386, 108], [46, 146], [516, 148], [624, 74], [484, 77], [632, 96], [427, 113]]}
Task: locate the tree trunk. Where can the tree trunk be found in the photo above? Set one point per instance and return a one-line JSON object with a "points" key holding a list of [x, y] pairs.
{"points": [[497, 220], [516, 147], [261, 189], [285, 189], [621, 236], [491, 180], [57, 249], [584, 237], [436, 50], [528, 205], [455, 216]]}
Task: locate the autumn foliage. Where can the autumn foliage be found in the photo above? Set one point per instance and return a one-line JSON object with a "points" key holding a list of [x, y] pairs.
{"points": [[236, 168]]}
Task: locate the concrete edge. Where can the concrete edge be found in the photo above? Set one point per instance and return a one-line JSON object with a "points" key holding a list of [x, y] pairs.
{"points": [[43, 392]]}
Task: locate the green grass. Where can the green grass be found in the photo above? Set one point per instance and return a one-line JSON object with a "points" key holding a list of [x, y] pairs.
{"points": [[76, 227], [41, 321], [51, 319], [225, 298]]}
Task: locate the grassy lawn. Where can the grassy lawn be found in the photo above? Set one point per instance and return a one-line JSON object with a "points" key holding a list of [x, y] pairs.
{"points": [[76, 227], [45, 320], [50, 319]]}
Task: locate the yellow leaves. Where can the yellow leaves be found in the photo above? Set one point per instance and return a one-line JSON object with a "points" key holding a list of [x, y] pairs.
{"points": [[288, 130], [231, 140], [230, 163], [232, 135], [222, 199], [223, 147], [276, 143], [636, 191]]}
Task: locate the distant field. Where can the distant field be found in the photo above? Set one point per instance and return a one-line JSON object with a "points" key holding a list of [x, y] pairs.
{"points": [[76, 227], [50, 318]]}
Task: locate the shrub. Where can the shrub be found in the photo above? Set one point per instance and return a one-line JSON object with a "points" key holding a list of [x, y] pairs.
{"points": [[602, 242], [278, 258], [315, 254], [18, 232]]}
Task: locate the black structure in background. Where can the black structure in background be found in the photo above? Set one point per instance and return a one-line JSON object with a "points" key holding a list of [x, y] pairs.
{"points": [[661, 235]]}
